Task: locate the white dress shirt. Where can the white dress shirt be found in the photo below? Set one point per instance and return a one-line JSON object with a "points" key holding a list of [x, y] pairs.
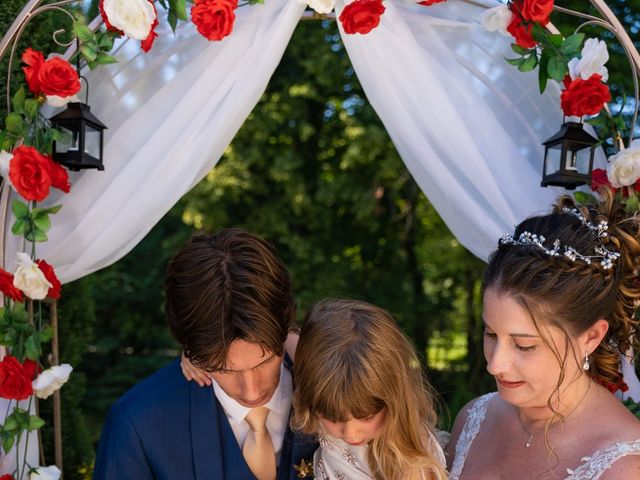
{"points": [[279, 406]]}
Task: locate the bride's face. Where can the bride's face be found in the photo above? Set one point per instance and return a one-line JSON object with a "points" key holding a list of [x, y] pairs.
{"points": [[526, 369]]}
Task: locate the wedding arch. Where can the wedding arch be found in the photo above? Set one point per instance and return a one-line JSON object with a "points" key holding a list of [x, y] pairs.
{"points": [[468, 126]]}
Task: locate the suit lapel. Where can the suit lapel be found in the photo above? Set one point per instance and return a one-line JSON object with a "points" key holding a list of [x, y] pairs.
{"points": [[205, 434]]}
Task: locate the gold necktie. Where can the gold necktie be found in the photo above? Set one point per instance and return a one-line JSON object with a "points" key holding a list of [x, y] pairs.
{"points": [[258, 449]]}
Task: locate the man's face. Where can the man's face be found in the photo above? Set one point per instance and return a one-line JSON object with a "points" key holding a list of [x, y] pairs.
{"points": [[250, 375]]}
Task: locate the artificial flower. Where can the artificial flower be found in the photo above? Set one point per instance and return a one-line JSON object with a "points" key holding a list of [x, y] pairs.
{"points": [[5, 162], [584, 97], [320, 6], [521, 32], [16, 378], [534, 10], [497, 19], [624, 167], [428, 3], [51, 380], [599, 179], [592, 59], [7, 288], [214, 19], [30, 279], [361, 16], [50, 275], [7, 476], [45, 473], [32, 174], [33, 60], [147, 43], [135, 18]]}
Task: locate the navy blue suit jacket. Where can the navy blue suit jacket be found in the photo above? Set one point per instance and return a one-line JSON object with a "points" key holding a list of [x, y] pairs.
{"points": [[168, 428]]}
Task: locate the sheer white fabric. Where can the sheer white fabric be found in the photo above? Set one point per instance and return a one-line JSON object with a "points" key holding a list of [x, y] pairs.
{"points": [[468, 125], [171, 113], [591, 468]]}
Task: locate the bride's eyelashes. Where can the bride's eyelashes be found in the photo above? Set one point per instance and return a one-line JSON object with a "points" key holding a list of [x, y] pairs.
{"points": [[522, 348]]}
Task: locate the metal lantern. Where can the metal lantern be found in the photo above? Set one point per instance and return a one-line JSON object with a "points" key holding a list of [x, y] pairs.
{"points": [[82, 147], [568, 157]]}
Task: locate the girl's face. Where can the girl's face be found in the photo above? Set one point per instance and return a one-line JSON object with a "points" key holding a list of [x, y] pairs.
{"points": [[356, 431], [525, 368]]}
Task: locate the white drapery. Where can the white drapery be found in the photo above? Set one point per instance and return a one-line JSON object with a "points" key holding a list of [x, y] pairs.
{"points": [[171, 114], [468, 125]]}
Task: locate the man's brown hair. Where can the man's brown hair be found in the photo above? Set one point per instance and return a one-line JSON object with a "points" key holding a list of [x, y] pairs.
{"points": [[225, 287]]}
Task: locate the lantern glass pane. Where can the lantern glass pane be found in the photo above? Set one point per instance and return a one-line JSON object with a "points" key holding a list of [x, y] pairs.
{"points": [[553, 160], [92, 142], [582, 161], [69, 141]]}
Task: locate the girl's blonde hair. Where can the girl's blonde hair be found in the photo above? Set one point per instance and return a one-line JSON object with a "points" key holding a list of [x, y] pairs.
{"points": [[353, 361]]}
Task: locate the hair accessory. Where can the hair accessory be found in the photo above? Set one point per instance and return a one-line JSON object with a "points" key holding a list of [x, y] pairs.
{"points": [[601, 230]]}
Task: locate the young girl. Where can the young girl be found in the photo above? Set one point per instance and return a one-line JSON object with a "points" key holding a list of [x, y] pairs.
{"points": [[360, 389]]}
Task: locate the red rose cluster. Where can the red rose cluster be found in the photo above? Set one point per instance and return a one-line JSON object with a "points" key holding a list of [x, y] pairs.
{"points": [[214, 18], [525, 13], [9, 290], [55, 76], [584, 97], [361, 16], [16, 378], [32, 174]]}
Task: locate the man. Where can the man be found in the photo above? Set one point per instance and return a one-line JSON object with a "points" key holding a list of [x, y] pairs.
{"points": [[229, 304]]}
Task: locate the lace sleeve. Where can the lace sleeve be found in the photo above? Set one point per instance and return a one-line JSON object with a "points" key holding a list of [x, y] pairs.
{"points": [[595, 465], [471, 428]]}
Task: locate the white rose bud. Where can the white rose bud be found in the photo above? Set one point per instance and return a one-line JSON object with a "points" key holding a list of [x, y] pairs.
{"points": [[57, 101], [624, 167], [320, 6], [594, 56], [45, 473], [5, 161], [497, 19], [133, 17], [51, 380], [30, 279]]}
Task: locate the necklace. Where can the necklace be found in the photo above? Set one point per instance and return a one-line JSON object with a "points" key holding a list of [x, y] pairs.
{"points": [[529, 441]]}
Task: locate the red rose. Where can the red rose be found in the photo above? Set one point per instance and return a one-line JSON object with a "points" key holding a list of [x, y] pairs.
{"points": [[600, 180], [50, 275], [15, 378], [7, 288], [59, 177], [428, 3], [34, 61], [534, 10], [521, 32], [32, 174], [7, 477], [214, 18], [57, 77], [361, 16], [585, 97]]}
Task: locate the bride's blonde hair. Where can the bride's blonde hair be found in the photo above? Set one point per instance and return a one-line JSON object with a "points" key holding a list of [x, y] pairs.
{"points": [[354, 361]]}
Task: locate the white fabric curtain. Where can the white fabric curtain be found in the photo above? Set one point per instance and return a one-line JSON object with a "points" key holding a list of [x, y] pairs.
{"points": [[468, 125], [171, 114]]}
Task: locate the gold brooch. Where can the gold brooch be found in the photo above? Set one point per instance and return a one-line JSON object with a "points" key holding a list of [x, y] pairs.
{"points": [[304, 469]]}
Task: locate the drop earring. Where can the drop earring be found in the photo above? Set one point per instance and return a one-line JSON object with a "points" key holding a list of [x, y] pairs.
{"points": [[586, 365]]}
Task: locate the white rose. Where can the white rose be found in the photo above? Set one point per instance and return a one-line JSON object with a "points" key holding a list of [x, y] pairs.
{"points": [[320, 6], [30, 279], [133, 17], [497, 19], [5, 161], [57, 101], [594, 56], [624, 167], [45, 473], [51, 380]]}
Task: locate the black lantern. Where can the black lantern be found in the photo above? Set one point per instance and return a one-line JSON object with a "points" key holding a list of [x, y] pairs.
{"points": [[568, 157], [82, 146]]}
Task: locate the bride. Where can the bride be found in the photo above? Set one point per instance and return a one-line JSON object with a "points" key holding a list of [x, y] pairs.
{"points": [[558, 311]]}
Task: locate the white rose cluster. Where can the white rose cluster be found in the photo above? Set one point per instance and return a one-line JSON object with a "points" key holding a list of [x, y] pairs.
{"points": [[134, 17], [320, 6], [592, 59], [45, 473], [51, 380], [624, 167]]}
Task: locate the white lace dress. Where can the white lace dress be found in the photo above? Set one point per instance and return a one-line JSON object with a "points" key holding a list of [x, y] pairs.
{"points": [[337, 460], [591, 467]]}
